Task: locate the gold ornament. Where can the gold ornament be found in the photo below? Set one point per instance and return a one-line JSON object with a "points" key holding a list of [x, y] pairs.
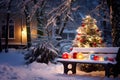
{"points": [[80, 56]]}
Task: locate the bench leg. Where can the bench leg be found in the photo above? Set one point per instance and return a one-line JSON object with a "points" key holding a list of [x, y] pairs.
{"points": [[116, 70], [73, 68], [108, 71], [66, 69]]}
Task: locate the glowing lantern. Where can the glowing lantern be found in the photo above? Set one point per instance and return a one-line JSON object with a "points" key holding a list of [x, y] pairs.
{"points": [[75, 55], [65, 55], [101, 58], [80, 56], [96, 57]]}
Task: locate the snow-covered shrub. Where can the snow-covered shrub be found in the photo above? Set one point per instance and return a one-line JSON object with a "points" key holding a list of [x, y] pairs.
{"points": [[44, 53]]}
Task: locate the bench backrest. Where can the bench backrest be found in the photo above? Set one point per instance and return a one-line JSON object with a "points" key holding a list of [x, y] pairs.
{"points": [[100, 51], [97, 49]]}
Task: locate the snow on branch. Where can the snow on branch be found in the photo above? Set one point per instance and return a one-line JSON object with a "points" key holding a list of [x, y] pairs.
{"points": [[24, 3], [96, 9], [101, 8], [8, 1], [2, 3], [55, 9], [70, 18], [30, 9], [35, 7], [62, 10]]}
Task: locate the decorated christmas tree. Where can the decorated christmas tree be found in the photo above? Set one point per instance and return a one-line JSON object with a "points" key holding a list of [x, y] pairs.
{"points": [[88, 34]]}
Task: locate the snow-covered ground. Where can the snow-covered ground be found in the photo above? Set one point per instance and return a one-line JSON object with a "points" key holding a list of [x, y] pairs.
{"points": [[13, 67]]}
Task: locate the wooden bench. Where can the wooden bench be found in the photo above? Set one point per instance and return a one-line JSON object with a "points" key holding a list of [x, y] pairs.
{"points": [[99, 51]]}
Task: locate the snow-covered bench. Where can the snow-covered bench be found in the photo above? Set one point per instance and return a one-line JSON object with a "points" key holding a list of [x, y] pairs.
{"points": [[99, 51]]}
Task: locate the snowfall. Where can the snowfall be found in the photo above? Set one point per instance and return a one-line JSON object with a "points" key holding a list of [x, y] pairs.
{"points": [[13, 67]]}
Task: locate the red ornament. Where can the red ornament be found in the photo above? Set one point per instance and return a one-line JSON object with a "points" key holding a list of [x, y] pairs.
{"points": [[81, 40], [111, 59], [97, 30], [96, 58], [65, 55], [101, 41], [94, 44], [79, 34], [83, 25], [75, 55], [71, 48], [77, 38]]}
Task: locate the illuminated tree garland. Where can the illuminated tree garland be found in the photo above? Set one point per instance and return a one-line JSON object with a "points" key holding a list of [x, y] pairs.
{"points": [[88, 34]]}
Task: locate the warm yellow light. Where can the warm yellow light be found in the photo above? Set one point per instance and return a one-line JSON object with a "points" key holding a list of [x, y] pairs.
{"points": [[101, 58], [23, 32], [80, 56], [88, 16]]}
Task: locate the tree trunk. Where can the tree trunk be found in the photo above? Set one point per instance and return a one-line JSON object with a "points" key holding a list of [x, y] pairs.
{"points": [[28, 27], [115, 21], [28, 34], [7, 25], [0, 40], [64, 25], [104, 24], [66, 19], [28, 14], [41, 18], [6, 32]]}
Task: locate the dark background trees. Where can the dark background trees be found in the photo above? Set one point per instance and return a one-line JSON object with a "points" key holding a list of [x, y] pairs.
{"points": [[114, 6], [63, 12]]}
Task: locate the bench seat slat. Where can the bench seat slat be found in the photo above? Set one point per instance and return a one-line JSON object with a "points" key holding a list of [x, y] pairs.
{"points": [[84, 61]]}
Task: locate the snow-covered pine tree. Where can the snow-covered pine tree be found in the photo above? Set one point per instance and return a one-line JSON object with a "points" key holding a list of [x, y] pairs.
{"points": [[89, 35]]}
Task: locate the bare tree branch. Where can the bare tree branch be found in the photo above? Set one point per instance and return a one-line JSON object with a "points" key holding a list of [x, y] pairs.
{"points": [[35, 7], [63, 9]]}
